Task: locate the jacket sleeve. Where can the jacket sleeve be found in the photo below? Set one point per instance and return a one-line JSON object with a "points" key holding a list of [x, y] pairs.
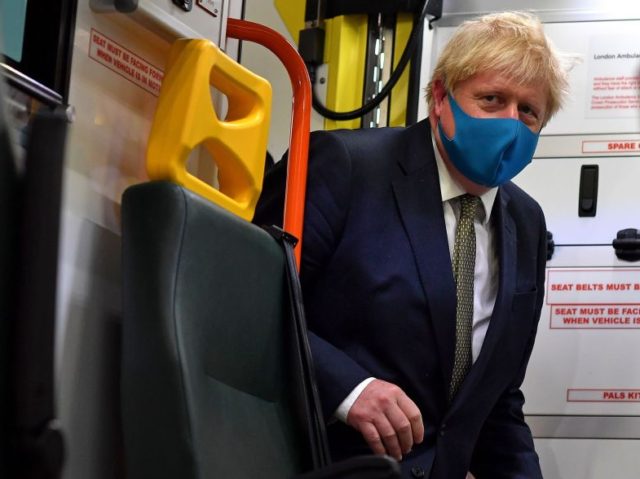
{"points": [[326, 211], [505, 448]]}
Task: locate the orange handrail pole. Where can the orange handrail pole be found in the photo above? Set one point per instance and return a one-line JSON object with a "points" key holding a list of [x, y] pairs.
{"points": [[300, 120]]}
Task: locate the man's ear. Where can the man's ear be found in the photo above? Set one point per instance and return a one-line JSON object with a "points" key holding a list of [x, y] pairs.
{"points": [[439, 93]]}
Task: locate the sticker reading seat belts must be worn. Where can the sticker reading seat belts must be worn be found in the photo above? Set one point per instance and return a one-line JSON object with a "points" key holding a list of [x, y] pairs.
{"points": [[607, 298]]}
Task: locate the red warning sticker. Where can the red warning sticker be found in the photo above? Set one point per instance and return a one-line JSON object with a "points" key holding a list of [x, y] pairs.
{"points": [[125, 63], [595, 316], [594, 298], [610, 146], [603, 395]]}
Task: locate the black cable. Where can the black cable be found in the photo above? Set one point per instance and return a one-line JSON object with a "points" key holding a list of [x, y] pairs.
{"points": [[408, 52], [414, 92]]}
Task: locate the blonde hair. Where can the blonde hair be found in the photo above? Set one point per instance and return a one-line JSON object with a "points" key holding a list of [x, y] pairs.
{"points": [[511, 43]]}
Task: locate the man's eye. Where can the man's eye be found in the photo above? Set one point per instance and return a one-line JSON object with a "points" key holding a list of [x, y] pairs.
{"points": [[490, 98], [527, 110]]}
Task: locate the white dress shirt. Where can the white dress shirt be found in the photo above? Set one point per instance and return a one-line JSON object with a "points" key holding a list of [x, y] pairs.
{"points": [[486, 268]]}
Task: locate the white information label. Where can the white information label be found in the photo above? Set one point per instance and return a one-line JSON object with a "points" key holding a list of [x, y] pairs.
{"points": [[614, 77]]}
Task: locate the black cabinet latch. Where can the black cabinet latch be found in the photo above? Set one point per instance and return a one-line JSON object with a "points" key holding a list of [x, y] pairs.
{"points": [[627, 244], [551, 245], [588, 200], [186, 5]]}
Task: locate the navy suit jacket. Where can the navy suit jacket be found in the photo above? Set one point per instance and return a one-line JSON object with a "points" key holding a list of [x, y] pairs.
{"points": [[380, 299]]}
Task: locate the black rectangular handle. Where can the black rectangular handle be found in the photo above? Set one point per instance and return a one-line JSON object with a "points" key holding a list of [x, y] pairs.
{"points": [[588, 194]]}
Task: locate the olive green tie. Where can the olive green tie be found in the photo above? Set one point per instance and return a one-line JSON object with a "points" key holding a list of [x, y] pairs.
{"points": [[464, 260]]}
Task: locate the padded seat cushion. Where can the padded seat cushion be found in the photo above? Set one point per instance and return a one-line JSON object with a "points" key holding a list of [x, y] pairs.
{"points": [[204, 361]]}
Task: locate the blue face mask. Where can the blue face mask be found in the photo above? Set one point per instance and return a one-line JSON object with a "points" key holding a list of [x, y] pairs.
{"points": [[488, 151]]}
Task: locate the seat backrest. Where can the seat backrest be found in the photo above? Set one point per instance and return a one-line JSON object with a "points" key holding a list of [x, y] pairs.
{"points": [[206, 373]]}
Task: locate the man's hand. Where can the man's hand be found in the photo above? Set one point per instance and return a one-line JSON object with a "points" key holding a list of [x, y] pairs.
{"points": [[388, 420]]}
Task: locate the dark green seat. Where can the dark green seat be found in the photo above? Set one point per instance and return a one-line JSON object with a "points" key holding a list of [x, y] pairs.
{"points": [[208, 380]]}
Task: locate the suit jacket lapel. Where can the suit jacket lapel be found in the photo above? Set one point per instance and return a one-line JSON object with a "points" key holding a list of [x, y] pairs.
{"points": [[420, 207], [506, 245]]}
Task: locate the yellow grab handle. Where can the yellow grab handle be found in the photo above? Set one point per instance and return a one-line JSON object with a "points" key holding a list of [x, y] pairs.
{"points": [[185, 118]]}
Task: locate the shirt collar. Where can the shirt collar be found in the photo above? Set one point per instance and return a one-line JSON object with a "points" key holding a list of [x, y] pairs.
{"points": [[450, 189]]}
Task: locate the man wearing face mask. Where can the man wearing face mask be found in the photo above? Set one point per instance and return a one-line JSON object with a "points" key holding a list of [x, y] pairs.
{"points": [[423, 266]]}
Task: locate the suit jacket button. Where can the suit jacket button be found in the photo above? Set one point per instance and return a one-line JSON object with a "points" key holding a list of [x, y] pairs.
{"points": [[417, 472]]}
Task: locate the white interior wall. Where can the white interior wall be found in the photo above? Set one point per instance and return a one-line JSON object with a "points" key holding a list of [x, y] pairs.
{"points": [[588, 458]]}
